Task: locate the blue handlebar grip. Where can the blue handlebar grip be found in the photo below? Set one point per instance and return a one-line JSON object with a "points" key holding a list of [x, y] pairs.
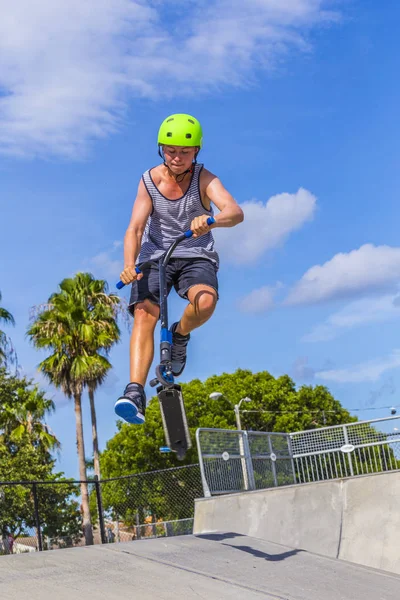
{"points": [[120, 285], [189, 233]]}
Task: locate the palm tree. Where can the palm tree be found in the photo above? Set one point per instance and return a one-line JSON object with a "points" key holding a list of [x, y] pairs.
{"points": [[7, 352], [22, 412], [103, 309], [78, 325]]}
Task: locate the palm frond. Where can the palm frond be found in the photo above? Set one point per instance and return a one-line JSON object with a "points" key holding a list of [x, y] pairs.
{"points": [[5, 316]]}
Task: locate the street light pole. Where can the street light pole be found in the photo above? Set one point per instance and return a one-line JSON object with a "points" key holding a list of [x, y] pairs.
{"points": [[236, 407], [237, 415], [237, 412]]}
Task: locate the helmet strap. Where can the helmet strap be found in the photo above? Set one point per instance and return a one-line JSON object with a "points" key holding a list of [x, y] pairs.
{"points": [[181, 176]]}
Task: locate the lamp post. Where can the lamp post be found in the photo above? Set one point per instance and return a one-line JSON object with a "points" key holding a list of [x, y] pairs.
{"points": [[236, 407]]}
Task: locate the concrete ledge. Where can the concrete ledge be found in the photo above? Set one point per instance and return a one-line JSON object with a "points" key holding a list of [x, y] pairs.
{"points": [[354, 519]]}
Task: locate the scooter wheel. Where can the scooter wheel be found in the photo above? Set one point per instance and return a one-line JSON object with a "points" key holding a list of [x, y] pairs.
{"points": [[180, 453], [163, 378]]}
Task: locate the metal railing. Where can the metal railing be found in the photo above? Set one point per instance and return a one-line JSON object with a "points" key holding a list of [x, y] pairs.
{"points": [[44, 515], [347, 450], [235, 461]]}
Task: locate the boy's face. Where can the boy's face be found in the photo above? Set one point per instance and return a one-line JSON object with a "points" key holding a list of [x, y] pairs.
{"points": [[179, 158]]}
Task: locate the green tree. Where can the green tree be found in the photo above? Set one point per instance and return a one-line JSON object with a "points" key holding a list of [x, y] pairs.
{"points": [[7, 352], [276, 403], [276, 406], [26, 443], [58, 509], [77, 325]]}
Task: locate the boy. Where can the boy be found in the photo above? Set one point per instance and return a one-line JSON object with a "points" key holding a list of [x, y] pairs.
{"points": [[172, 197]]}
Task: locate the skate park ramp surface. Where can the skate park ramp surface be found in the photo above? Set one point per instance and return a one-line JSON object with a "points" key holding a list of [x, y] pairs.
{"points": [[210, 566], [355, 519]]}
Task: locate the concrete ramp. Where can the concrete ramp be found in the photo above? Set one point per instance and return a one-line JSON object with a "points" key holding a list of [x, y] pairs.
{"points": [[355, 519], [218, 566]]}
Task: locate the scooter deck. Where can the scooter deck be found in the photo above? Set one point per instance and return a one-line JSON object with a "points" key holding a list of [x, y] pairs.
{"points": [[174, 420]]}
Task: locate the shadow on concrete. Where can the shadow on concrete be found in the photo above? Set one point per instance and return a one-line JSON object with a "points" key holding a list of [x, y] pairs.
{"points": [[269, 557], [219, 537]]}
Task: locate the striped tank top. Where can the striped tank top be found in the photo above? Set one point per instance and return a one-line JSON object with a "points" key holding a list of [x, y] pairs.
{"points": [[171, 218]]}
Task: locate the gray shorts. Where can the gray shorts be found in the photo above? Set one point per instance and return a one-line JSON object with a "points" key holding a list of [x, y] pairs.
{"points": [[182, 273]]}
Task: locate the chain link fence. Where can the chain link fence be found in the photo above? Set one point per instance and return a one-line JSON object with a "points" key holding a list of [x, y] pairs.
{"points": [[31, 513], [156, 503], [47, 515], [235, 461]]}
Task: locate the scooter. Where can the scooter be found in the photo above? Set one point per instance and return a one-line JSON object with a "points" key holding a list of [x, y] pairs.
{"points": [[170, 397]]}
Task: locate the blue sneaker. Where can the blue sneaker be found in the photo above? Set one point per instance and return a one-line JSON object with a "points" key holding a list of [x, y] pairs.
{"points": [[178, 350], [131, 406]]}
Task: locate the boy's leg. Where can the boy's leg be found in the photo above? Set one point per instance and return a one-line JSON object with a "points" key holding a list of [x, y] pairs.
{"points": [[202, 303], [142, 340], [144, 307], [131, 406], [199, 284]]}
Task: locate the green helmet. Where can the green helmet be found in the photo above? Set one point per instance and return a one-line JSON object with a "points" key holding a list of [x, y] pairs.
{"points": [[180, 130]]}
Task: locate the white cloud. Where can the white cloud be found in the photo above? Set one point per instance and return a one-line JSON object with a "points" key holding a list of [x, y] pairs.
{"points": [[359, 312], [69, 69], [106, 265], [258, 301], [369, 268], [265, 226], [366, 371]]}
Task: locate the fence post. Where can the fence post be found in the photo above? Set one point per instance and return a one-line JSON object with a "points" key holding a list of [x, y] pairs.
{"points": [[248, 461], [138, 531], [243, 460], [206, 489], [117, 529], [37, 519], [289, 441], [100, 509], [346, 439], [273, 459]]}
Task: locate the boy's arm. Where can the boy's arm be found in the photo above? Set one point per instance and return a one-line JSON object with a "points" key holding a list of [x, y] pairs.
{"points": [[141, 211], [231, 214]]}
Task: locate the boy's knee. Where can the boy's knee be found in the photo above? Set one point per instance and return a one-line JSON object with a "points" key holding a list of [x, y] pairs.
{"points": [[146, 313], [205, 302]]}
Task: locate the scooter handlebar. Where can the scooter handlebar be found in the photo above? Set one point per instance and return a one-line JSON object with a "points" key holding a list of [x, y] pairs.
{"points": [[120, 284], [187, 234]]}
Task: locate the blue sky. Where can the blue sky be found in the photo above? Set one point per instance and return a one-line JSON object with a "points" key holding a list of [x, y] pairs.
{"points": [[299, 104]]}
